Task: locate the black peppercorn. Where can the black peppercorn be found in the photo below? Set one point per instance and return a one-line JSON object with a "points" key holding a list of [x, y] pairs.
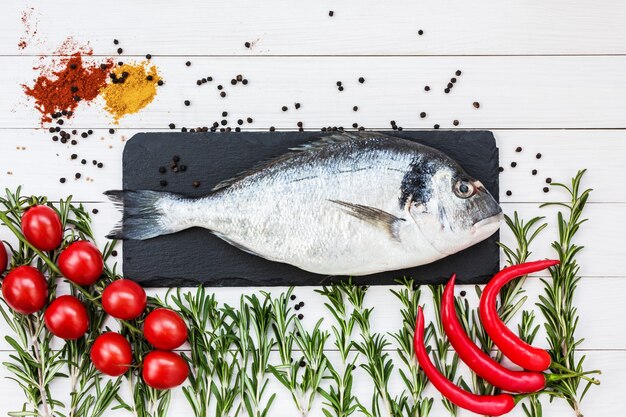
{"points": [[534, 172], [284, 108], [115, 41], [458, 72], [149, 78], [120, 50], [188, 63], [176, 158], [172, 126], [83, 161], [160, 82], [436, 126], [148, 56], [300, 316], [111, 131], [420, 32], [538, 156], [233, 81], [77, 175], [195, 184], [297, 105], [500, 169], [447, 90], [355, 108], [546, 189], [163, 183], [509, 193], [222, 94], [249, 119], [518, 149], [244, 81], [331, 13], [272, 129], [426, 88], [62, 180], [246, 44], [476, 105], [548, 180], [455, 122], [100, 165], [187, 102], [94, 211], [513, 164], [361, 80]]}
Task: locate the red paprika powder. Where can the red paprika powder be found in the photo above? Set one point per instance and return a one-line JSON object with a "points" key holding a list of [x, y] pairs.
{"points": [[63, 89]]}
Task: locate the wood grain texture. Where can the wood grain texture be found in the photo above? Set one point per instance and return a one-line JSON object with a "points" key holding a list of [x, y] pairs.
{"points": [[513, 92], [281, 27]]}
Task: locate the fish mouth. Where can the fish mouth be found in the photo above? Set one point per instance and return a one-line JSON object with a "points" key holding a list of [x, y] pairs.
{"points": [[488, 225]]}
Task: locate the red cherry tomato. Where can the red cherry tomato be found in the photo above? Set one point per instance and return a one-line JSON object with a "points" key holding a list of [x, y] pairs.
{"points": [[66, 317], [111, 354], [164, 370], [81, 262], [165, 329], [124, 299], [25, 289], [42, 228], [4, 258]]}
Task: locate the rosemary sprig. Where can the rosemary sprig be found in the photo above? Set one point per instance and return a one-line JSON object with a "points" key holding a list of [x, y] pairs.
{"points": [[378, 363], [415, 381], [441, 346], [255, 349], [557, 302], [198, 311], [288, 331], [340, 400]]}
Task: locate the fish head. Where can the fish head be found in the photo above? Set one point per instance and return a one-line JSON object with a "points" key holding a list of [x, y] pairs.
{"points": [[455, 211]]}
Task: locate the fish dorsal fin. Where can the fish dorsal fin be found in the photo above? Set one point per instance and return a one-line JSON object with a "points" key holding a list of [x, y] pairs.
{"points": [[374, 216], [314, 144]]}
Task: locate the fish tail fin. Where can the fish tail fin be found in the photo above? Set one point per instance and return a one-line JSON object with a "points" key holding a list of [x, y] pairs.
{"points": [[145, 214]]}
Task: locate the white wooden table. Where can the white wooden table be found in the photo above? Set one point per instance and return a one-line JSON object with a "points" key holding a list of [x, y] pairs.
{"points": [[549, 76]]}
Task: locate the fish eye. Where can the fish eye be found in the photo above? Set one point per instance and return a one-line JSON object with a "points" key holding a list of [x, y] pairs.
{"points": [[463, 189]]}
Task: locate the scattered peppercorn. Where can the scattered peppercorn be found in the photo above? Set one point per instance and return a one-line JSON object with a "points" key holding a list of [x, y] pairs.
{"points": [[187, 102], [272, 128], [538, 156], [300, 316], [188, 63], [455, 122], [355, 108], [463, 293], [361, 80], [458, 72], [297, 106], [534, 172], [163, 183], [546, 189], [172, 126], [249, 119], [195, 184], [513, 164], [426, 88], [436, 126], [148, 56], [94, 211], [476, 105], [293, 297], [74, 156], [77, 175], [115, 41], [548, 180], [160, 82], [62, 180], [331, 13], [223, 94], [500, 169], [246, 44], [423, 114], [420, 32], [284, 108], [509, 193], [518, 149], [111, 131], [119, 51]]}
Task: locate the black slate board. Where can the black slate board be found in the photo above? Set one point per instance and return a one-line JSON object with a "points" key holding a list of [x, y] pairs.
{"points": [[196, 256]]}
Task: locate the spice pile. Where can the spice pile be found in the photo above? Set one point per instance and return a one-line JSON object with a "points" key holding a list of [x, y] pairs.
{"points": [[132, 87], [60, 91]]}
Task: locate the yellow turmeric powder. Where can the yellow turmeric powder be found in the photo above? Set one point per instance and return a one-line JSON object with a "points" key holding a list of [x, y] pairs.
{"points": [[131, 87]]}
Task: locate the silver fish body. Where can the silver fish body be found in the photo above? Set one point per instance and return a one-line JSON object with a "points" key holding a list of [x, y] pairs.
{"points": [[350, 204]]}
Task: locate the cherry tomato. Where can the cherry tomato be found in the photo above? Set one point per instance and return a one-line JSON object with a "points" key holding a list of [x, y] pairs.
{"points": [[81, 262], [4, 259], [111, 354], [42, 228], [165, 329], [164, 370], [124, 299], [25, 289], [66, 317]]}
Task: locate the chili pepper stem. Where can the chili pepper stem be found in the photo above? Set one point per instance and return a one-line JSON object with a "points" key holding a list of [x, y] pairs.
{"points": [[582, 375], [55, 268]]}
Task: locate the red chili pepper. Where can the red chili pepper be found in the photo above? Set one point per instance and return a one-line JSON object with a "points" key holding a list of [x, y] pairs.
{"points": [[514, 348], [490, 405], [477, 360]]}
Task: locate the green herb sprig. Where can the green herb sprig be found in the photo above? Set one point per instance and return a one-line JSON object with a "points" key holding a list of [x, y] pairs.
{"points": [[557, 302], [340, 400], [415, 381], [303, 385]]}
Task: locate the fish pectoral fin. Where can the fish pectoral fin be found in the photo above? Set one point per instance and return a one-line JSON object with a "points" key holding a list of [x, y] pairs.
{"points": [[379, 218]]}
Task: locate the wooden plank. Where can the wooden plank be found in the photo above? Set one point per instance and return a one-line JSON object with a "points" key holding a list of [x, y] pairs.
{"points": [[513, 92], [276, 27], [600, 401], [39, 166]]}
